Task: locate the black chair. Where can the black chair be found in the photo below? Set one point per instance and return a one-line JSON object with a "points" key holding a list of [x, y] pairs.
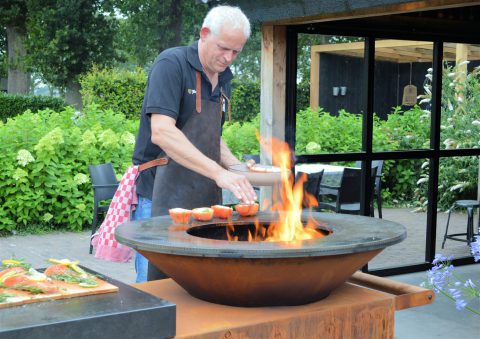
{"points": [[470, 205], [378, 185], [255, 157], [311, 186], [346, 197], [104, 184]]}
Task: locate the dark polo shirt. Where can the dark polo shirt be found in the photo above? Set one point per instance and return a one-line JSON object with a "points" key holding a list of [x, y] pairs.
{"points": [[171, 89]]}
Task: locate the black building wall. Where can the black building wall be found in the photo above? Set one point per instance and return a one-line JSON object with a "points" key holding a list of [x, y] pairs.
{"points": [[390, 79]]}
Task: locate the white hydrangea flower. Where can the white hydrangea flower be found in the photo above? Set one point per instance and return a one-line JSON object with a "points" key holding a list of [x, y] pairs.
{"points": [[19, 174], [24, 157], [476, 122], [80, 178], [128, 138]]}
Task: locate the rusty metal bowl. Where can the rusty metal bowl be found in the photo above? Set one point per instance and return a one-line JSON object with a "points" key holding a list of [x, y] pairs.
{"points": [[260, 273]]}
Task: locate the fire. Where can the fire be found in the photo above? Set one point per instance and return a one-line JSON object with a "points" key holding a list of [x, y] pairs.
{"points": [[288, 203]]}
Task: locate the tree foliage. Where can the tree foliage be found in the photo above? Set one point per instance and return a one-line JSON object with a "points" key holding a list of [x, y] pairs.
{"points": [[13, 13], [66, 37], [151, 26]]}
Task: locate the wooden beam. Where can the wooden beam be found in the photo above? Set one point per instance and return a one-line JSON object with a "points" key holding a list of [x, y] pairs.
{"points": [[272, 92], [314, 79], [460, 61]]}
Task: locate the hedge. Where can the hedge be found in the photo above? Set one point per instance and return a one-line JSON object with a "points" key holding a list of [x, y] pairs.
{"points": [[12, 105], [117, 89]]}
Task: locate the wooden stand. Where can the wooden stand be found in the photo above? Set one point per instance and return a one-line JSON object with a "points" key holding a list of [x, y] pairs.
{"points": [[351, 311]]}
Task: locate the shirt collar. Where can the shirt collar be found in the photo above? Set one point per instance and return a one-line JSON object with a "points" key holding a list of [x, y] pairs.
{"points": [[194, 60]]}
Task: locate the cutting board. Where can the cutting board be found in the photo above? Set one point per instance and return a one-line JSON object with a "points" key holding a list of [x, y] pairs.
{"points": [[65, 290]]}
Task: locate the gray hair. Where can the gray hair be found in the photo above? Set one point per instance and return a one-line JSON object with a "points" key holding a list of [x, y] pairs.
{"points": [[221, 16]]}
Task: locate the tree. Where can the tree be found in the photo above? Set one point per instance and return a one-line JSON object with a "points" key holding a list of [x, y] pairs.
{"points": [[66, 38], [151, 26], [3, 53], [12, 16]]}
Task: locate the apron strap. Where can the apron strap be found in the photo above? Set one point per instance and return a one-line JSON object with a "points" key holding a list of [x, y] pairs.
{"points": [[152, 163], [229, 107], [198, 96]]}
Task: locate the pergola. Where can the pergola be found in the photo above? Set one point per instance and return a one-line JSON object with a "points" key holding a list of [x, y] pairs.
{"points": [[396, 51]]}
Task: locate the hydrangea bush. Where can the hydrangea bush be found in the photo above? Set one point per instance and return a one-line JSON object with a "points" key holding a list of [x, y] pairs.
{"points": [[45, 157]]}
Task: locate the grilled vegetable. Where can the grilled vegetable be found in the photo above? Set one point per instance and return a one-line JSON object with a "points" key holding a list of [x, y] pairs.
{"points": [[180, 215], [203, 213], [223, 212], [246, 210]]}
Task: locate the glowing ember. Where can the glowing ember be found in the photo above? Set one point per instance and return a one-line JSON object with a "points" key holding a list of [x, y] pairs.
{"points": [[289, 226]]}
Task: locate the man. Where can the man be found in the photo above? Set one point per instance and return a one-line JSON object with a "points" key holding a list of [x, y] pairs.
{"points": [[182, 115]]}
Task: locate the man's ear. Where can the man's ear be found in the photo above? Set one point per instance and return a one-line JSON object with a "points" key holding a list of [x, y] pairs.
{"points": [[204, 32]]}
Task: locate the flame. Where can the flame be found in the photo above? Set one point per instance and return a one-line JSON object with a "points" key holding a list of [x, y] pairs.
{"points": [[289, 225]]}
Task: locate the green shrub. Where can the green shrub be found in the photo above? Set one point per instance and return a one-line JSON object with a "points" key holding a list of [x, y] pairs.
{"points": [[241, 137], [12, 105], [44, 177], [245, 99], [117, 89]]}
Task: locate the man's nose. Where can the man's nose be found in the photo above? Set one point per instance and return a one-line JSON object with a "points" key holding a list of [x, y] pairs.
{"points": [[229, 56]]}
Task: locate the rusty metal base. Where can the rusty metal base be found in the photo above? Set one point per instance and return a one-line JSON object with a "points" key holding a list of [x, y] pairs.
{"points": [[253, 282]]}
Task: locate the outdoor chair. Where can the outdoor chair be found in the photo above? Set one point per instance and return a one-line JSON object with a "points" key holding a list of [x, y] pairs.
{"points": [[104, 184], [255, 157], [470, 205], [378, 185], [311, 185], [346, 197]]}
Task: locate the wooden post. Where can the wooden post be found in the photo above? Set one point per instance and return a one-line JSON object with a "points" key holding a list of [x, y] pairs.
{"points": [[461, 56], [314, 78], [272, 91]]}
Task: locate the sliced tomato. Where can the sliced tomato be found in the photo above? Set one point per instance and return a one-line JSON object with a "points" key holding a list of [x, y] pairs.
{"points": [[221, 211], [246, 210], [180, 215], [203, 213], [58, 269], [22, 282]]}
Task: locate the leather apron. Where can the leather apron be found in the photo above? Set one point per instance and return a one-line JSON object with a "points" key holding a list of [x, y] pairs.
{"points": [[177, 186]]}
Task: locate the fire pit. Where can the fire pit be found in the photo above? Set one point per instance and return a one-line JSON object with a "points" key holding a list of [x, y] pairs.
{"points": [[260, 273]]}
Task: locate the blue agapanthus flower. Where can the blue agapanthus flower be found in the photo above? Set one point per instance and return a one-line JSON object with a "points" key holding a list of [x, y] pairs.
{"points": [[443, 279]]}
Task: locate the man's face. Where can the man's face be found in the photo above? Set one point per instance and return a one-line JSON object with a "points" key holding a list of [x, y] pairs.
{"points": [[221, 50]]}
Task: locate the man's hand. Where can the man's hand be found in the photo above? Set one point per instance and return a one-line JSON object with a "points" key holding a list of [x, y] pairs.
{"points": [[238, 185]]}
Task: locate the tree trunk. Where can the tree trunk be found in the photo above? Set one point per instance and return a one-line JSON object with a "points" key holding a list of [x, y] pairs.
{"points": [[73, 96], [18, 79]]}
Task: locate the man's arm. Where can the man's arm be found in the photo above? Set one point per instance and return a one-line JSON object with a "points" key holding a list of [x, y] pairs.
{"points": [[168, 137]]}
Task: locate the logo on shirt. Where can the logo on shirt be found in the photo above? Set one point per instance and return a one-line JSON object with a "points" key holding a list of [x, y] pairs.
{"points": [[191, 91]]}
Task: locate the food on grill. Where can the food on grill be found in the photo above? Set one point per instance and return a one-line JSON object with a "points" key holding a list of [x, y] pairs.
{"points": [[180, 215], [247, 210], [221, 211], [203, 213]]}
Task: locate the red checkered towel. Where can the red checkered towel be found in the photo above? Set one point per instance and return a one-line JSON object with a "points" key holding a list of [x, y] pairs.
{"points": [[119, 212]]}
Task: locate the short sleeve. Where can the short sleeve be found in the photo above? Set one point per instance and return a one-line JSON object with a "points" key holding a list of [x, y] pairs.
{"points": [[165, 88]]}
